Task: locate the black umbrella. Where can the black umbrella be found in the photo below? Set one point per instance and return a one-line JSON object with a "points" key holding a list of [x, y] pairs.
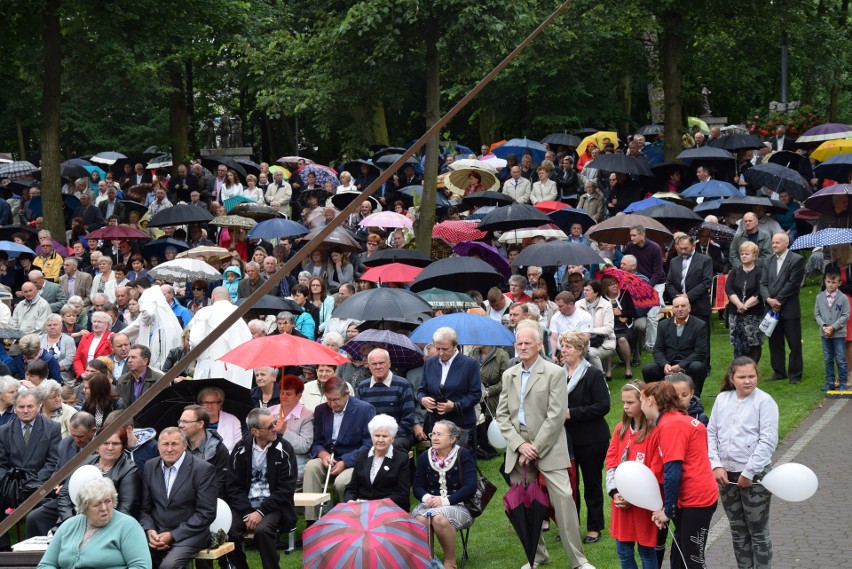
{"points": [[835, 168], [212, 163], [342, 199], [180, 214], [408, 193], [459, 274], [72, 170], [653, 129], [584, 132], [130, 205], [392, 304], [737, 142], [354, 167], [166, 408], [672, 215], [403, 324], [320, 194], [255, 211], [250, 166], [158, 247], [387, 160], [663, 171], [394, 255], [388, 150], [787, 159], [719, 233], [7, 231], [340, 237], [514, 216], [527, 506], [746, 204], [778, 178], [621, 163], [566, 217], [561, 139], [717, 158], [557, 253], [487, 198], [272, 305]]}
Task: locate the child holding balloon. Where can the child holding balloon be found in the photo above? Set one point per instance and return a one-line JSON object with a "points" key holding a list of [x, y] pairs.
{"points": [[742, 436], [631, 440], [689, 489]]}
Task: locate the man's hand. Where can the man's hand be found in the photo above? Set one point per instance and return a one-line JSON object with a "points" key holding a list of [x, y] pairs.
{"points": [[528, 452], [419, 433], [325, 457], [744, 482], [337, 468], [252, 520], [721, 476]]}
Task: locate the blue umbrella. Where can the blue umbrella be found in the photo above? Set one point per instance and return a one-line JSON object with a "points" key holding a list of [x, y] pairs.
{"points": [[519, 147], [92, 168], [823, 238], [655, 153], [277, 229], [14, 249], [472, 330], [158, 247], [642, 204], [711, 189], [835, 168]]}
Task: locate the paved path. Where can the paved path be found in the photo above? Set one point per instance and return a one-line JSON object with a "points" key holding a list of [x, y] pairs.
{"points": [[814, 534]]}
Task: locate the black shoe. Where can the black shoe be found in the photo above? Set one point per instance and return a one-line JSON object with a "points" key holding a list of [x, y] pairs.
{"points": [[590, 539], [777, 377], [795, 381]]}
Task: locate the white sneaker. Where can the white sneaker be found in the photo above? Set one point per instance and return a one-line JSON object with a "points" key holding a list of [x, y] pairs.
{"points": [[586, 566]]}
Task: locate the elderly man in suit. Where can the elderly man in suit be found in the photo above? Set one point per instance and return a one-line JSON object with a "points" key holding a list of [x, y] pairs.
{"points": [[451, 388], [75, 282], [178, 502], [50, 291], [29, 442], [140, 377], [531, 416], [779, 285], [340, 431], [681, 346], [691, 273]]}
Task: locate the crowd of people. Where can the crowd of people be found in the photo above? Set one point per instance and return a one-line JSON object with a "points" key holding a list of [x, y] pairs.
{"points": [[93, 330]]}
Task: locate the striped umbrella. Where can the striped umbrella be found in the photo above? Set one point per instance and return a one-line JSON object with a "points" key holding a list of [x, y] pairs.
{"points": [[362, 535], [17, 168], [823, 238]]}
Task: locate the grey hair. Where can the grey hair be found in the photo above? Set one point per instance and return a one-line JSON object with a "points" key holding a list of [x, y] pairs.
{"points": [[66, 309], [96, 295], [54, 317], [446, 333], [253, 264], [640, 229], [173, 431], [305, 274], [47, 388], [73, 260], [35, 274], [268, 369], [383, 422], [332, 338], [381, 351], [102, 314], [77, 299], [30, 344], [286, 316], [93, 491], [452, 428], [253, 418], [83, 419], [630, 259], [24, 392], [7, 382], [532, 325], [520, 279]]}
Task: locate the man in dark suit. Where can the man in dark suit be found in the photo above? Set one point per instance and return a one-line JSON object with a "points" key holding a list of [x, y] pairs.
{"points": [[707, 247], [340, 431], [76, 282], [29, 442], [266, 511], [178, 502], [140, 176], [451, 387], [182, 184], [90, 214], [140, 377], [781, 141], [112, 205], [681, 347], [779, 286], [691, 273]]}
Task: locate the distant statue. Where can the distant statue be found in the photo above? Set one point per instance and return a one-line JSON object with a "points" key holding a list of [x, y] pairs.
{"points": [[225, 131], [705, 102], [237, 129], [210, 130]]}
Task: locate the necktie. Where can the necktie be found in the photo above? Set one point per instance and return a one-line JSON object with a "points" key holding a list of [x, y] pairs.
{"points": [[169, 473], [27, 429]]}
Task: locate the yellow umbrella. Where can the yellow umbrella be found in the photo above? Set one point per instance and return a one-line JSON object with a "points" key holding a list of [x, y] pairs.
{"points": [[674, 198], [598, 139], [831, 148], [695, 121], [284, 171]]}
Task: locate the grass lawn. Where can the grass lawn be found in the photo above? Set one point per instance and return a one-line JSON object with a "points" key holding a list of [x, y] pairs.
{"points": [[493, 543]]}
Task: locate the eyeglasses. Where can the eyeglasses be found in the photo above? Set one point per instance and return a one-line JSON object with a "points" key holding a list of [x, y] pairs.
{"points": [[111, 444], [185, 422], [198, 288], [266, 428]]}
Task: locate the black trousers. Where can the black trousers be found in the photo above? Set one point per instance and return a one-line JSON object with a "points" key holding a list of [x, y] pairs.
{"points": [[590, 464], [696, 370], [42, 519], [706, 319], [789, 330], [690, 534], [265, 540]]}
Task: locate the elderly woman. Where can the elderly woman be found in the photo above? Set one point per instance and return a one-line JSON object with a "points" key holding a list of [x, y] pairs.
{"points": [[586, 427], [602, 340], [70, 323], [8, 388], [105, 281], [30, 349], [745, 305], [99, 537], [592, 201], [544, 189], [211, 399], [445, 478], [94, 344], [313, 393], [50, 395], [59, 345], [266, 394], [295, 421], [380, 471]]}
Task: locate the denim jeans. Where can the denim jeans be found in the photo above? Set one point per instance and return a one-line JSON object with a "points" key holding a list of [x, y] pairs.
{"points": [[834, 350], [624, 551]]}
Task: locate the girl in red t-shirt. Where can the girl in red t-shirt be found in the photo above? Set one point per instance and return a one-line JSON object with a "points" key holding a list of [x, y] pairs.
{"points": [[631, 440], [689, 488]]}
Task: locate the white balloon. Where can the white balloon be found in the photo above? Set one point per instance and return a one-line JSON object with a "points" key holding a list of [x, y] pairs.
{"points": [[792, 481], [82, 475], [223, 517], [638, 485], [495, 437]]}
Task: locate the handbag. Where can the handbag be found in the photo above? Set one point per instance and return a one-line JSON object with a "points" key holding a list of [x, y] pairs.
{"points": [[597, 340], [769, 322], [16, 487], [485, 490]]}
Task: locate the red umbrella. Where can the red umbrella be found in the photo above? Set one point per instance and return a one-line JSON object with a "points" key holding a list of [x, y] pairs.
{"points": [[548, 206], [375, 533], [457, 231], [642, 293], [279, 351], [117, 232], [391, 273]]}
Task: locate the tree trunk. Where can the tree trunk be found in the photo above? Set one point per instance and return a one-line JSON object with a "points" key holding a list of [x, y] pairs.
{"points": [[178, 118], [54, 219], [22, 147], [672, 82], [626, 87], [190, 107], [373, 123], [433, 114], [656, 98], [835, 84], [487, 123]]}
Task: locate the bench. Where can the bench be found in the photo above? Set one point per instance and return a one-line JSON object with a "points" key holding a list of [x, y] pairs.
{"points": [[221, 551], [301, 500]]}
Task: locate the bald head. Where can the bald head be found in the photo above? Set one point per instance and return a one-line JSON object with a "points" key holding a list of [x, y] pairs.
{"points": [[220, 293]]}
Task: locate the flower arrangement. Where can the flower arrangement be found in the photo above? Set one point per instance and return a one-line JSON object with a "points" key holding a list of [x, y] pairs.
{"points": [[763, 123]]}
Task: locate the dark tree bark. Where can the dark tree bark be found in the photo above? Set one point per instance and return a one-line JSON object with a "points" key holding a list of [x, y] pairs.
{"points": [[51, 105], [433, 115], [178, 117], [672, 81]]}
